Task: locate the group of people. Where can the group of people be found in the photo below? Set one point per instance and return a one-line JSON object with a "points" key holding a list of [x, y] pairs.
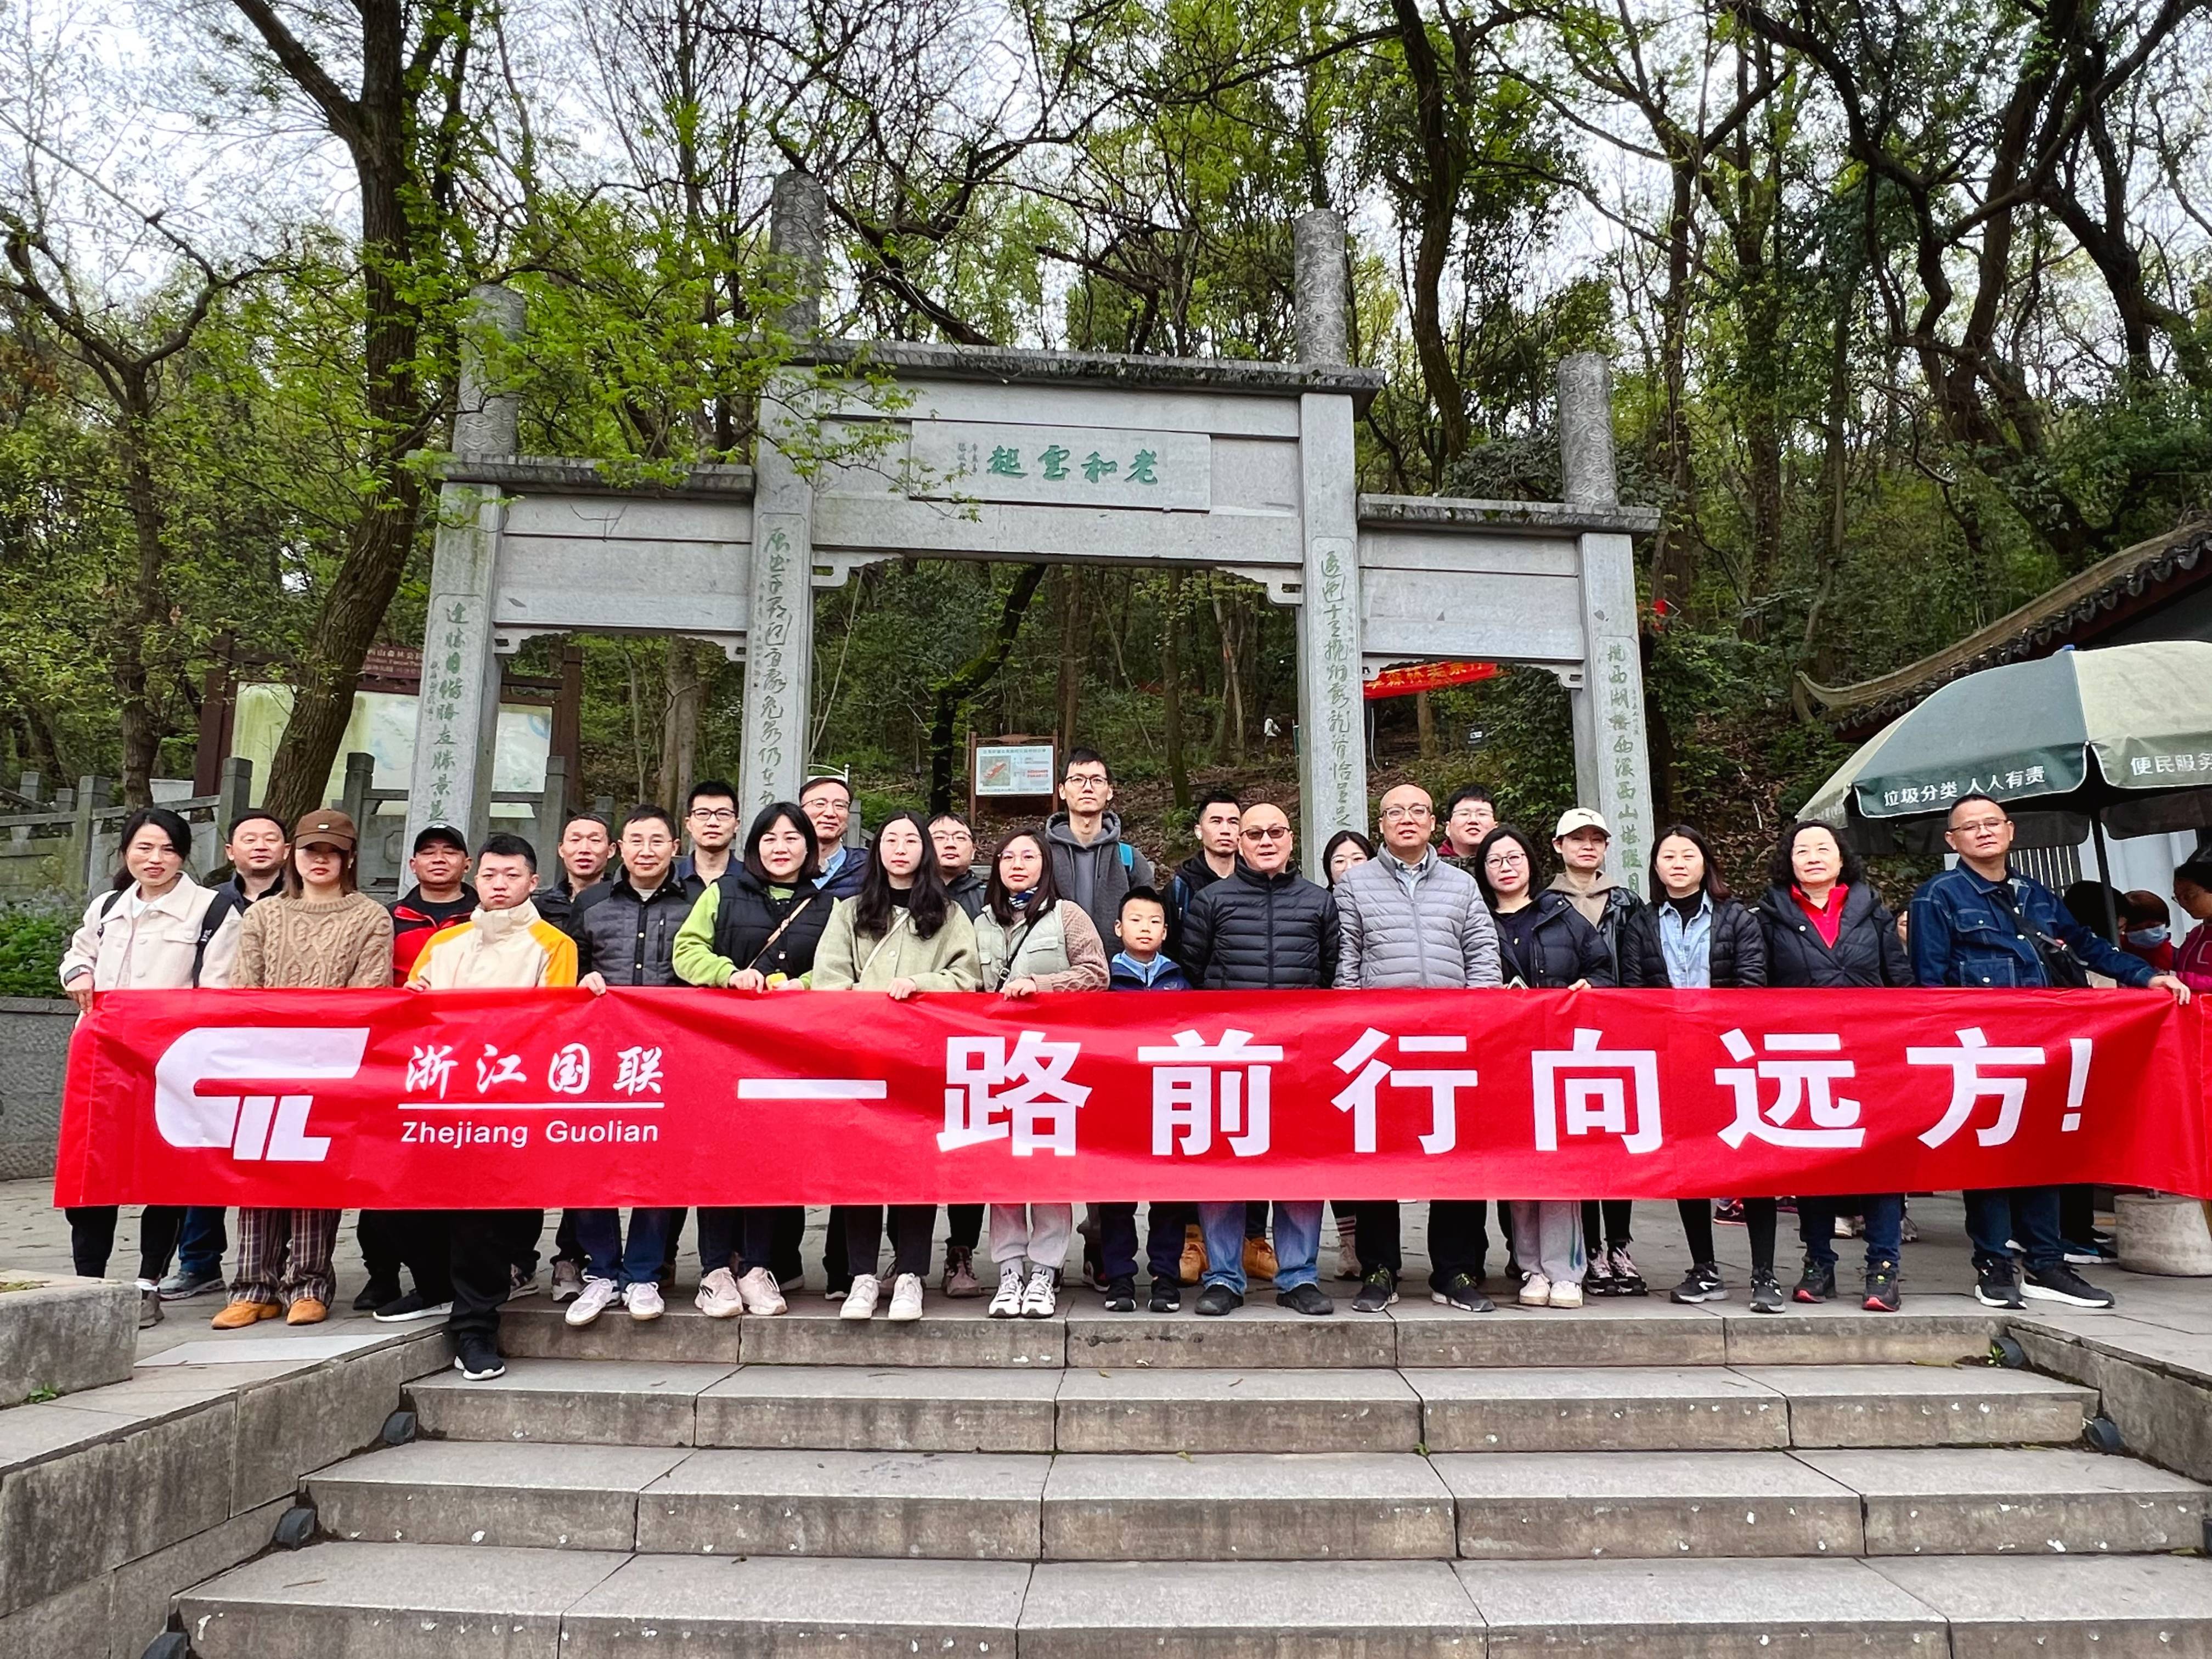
{"points": [[798, 902]]}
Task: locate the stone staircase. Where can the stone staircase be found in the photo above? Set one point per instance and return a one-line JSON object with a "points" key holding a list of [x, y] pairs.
{"points": [[1630, 1479]]}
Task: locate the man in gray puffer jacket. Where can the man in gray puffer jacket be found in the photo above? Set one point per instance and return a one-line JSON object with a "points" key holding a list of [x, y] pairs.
{"points": [[1411, 920]]}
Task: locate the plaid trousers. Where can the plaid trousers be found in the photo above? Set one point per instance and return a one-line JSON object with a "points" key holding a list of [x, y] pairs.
{"points": [[266, 1265]]}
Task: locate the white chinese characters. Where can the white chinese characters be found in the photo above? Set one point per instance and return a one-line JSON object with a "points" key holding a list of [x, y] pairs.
{"points": [[1970, 1084], [1587, 1089], [1443, 1083], [1023, 1096], [1806, 1084], [1196, 1087]]}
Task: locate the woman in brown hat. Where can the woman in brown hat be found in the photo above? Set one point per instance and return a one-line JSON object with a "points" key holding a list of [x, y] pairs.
{"points": [[323, 934]]}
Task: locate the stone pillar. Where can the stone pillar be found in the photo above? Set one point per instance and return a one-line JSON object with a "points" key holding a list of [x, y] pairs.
{"points": [[1613, 771], [779, 706], [1332, 714], [457, 710]]}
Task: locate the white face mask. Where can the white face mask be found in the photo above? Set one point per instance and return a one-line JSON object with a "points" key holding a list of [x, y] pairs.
{"points": [[2149, 938]]}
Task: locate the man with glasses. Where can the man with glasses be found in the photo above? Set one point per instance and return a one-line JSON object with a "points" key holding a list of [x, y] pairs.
{"points": [[1469, 814], [827, 800], [1980, 925], [1411, 920], [1264, 928], [1090, 862], [710, 818]]}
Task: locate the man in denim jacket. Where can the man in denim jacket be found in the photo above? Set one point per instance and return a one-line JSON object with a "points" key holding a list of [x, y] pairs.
{"points": [[1965, 932]]}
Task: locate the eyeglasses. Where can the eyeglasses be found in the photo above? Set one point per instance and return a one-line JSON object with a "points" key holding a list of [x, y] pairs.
{"points": [[1074, 780], [714, 814], [1980, 827], [1268, 832], [1405, 814], [1504, 858]]}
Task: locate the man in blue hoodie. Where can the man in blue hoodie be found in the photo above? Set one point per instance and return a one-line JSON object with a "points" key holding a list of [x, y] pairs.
{"points": [[1143, 964]]}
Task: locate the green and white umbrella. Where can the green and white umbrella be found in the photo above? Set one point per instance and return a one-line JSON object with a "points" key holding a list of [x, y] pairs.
{"points": [[2120, 739]]}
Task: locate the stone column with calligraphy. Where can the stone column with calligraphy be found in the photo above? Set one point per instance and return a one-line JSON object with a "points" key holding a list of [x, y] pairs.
{"points": [[457, 710], [1612, 770], [1332, 711], [779, 704]]}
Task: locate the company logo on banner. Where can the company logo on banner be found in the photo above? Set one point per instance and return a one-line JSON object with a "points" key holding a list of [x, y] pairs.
{"points": [[515, 1100], [270, 1125]]}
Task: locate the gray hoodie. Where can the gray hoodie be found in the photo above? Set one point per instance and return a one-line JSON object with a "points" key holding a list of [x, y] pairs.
{"points": [[1096, 876]]}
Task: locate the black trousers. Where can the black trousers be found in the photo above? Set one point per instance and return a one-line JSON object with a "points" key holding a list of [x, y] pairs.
{"points": [[913, 1226], [1605, 1221], [963, 1225], [92, 1239], [1758, 1221], [485, 1244]]}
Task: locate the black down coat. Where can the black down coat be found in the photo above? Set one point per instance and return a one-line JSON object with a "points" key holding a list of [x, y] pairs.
{"points": [[1735, 950], [1561, 947], [1868, 951], [1255, 933], [746, 915]]}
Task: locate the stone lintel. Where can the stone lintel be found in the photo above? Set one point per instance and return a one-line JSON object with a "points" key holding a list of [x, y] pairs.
{"points": [[714, 482], [920, 360], [1442, 511]]}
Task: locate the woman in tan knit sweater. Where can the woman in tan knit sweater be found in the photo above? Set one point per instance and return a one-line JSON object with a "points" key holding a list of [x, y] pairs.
{"points": [[322, 935]]}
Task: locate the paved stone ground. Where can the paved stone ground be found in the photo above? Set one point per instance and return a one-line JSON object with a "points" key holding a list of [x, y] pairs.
{"points": [[2170, 1318]]}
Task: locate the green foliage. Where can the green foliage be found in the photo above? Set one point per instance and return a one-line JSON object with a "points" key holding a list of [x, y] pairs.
{"points": [[31, 945]]}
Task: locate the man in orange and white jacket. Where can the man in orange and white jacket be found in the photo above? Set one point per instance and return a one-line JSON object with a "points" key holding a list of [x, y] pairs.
{"points": [[505, 943]]}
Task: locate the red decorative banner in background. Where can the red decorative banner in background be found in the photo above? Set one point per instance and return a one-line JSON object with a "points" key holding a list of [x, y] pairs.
{"points": [[1425, 677], [396, 1100]]}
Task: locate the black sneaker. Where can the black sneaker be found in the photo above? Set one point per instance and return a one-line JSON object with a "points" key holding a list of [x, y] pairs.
{"points": [[1464, 1292], [1626, 1279], [1122, 1295], [1304, 1299], [1167, 1295], [1377, 1292], [478, 1359], [2060, 1283], [1996, 1286], [1766, 1293], [1882, 1295], [1216, 1300], [1701, 1284], [1817, 1283], [402, 1310], [1597, 1277], [374, 1294]]}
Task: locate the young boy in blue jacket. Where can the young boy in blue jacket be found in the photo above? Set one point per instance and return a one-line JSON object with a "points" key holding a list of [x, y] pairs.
{"points": [[1143, 964]]}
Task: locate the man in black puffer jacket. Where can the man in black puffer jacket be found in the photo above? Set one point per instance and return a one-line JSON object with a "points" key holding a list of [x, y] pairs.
{"points": [[1264, 928]]}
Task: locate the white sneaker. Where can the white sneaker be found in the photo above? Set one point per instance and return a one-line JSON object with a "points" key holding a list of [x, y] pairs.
{"points": [[592, 1301], [861, 1301], [1007, 1303], [1042, 1295], [1564, 1294], [718, 1297], [1535, 1292], [643, 1301], [568, 1281], [906, 1297], [762, 1295], [1347, 1260]]}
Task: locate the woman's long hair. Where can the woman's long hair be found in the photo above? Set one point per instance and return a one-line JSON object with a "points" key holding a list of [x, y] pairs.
{"points": [[158, 817], [1480, 861], [1784, 874], [294, 888], [1715, 883], [927, 901], [998, 898], [765, 820]]}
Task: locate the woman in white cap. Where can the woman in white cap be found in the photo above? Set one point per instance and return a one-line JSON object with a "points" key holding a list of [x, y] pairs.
{"points": [[324, 934]]}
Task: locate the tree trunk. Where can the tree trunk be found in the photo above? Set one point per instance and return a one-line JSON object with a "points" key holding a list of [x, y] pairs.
{"points": [[1425, 722], [1171, 687], [1073, 653], [143, 609], [679, 724], [955, 691], [1229, 735]]}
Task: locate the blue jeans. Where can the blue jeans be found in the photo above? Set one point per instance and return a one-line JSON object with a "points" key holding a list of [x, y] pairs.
{"points": [[636, 1262], [199, 1251], [2029, 1214], [1298, 1244], [1885, 1224]]}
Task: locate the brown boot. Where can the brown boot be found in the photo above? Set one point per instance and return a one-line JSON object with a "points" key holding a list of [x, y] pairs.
{"points": [[238, 1314], [1259, 1264], [1194, 1254], [307, 1311]]}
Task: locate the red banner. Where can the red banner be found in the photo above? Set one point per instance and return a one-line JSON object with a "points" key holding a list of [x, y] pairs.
{"points": [[474, 1099], [1425, 677]]}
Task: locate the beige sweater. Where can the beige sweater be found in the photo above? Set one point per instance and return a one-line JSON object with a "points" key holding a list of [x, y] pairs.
{"points": [[946, 961], [293, 944]]}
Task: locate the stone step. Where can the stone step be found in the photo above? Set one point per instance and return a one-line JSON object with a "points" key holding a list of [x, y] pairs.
{"points": [[1259, 1506], [1172, 1409], [1416, 1332], [425, 1602]]}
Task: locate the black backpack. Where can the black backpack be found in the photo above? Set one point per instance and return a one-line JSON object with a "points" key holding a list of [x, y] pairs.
{"points": [[225, 900]]}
